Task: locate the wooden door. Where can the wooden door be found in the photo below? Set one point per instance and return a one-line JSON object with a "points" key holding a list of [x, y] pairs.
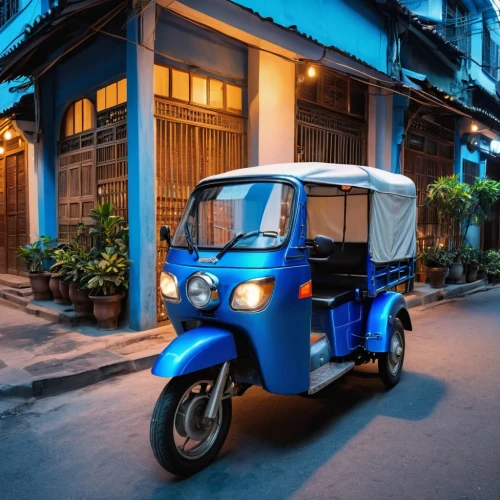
{"points": [[13, 212]]}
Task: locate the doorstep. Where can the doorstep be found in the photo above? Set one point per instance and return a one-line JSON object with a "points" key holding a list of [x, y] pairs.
{"points": [[423, 294]]}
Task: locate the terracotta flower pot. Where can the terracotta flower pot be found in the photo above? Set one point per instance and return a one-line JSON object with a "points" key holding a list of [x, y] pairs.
{"points": [[54, 288], [80, 299], [437, 275], [472, 270], [40, 286], [482, 274], [106, 310], [64, 289]]}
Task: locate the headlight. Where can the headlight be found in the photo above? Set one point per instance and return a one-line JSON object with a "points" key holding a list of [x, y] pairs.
{"points": [[253, 295], [202, 290], [168, 287]]}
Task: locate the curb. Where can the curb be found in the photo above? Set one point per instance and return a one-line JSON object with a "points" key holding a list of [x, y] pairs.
{"points": [[442, 294], [57, 384]]}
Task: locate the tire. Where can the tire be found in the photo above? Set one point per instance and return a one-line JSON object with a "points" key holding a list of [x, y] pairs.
{"points": [[163, 426], [389, 370]]}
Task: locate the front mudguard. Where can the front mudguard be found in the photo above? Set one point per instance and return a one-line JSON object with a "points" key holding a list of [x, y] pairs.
{"points": [[195, 350], [384, 309]]}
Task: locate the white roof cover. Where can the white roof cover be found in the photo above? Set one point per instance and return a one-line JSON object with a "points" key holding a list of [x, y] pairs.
{"points": [[330, 173], [393, 202]]}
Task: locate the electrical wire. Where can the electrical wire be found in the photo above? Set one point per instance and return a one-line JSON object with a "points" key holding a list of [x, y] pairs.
{"points": [[101, 22]]}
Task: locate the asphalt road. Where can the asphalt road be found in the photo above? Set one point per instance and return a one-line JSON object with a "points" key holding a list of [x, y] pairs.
{"points": [[435, 436]]}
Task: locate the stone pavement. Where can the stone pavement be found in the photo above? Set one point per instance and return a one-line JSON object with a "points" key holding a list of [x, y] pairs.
{"points": [[40, 358]]}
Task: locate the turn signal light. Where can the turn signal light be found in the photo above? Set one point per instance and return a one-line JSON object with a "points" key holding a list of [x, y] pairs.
{"points": [[306, 290]]}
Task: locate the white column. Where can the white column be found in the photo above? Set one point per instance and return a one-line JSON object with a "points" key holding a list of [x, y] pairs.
{"points": [[271, 109]]}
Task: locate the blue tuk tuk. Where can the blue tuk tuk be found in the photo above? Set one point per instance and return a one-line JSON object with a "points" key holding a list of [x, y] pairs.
{"points": [[281, 276]]}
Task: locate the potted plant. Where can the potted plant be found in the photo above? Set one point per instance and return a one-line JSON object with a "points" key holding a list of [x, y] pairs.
{"points": [[492, 264], [56, 269], [107, 280], [484, 194], [436, 260], [482, 273], [106, 274], [470, 258], [35, 257], [451, 199], [78, 279], [61, 256]]}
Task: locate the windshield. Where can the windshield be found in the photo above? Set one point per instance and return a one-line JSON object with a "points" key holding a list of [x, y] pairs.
{"points": [[215, 215]]}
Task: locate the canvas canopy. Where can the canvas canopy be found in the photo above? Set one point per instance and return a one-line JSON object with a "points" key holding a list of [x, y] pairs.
{"points": [[392, 211]]}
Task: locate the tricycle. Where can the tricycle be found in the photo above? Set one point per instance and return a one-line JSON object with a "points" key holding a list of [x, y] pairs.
{"points": [[283, 277]]}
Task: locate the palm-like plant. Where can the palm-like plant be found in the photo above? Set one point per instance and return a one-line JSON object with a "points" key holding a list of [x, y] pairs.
{"points": [[484, 194], [451, 199]]}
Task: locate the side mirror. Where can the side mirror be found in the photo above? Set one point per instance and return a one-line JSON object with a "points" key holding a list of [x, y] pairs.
{"points": [[323, 246], [165, 234]]}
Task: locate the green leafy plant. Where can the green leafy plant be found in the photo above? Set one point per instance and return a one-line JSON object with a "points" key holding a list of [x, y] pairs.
{"points": [[108, 274], [436, 257], [61, 254], [491, 262], [484, 194], [470, 255], [74, 263], [107, 228], [452, 200], [36, 254]]}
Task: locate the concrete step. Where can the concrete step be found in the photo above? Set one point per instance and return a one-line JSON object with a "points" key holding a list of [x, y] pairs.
{"points": [[58, 313], [13, 281], [11, 295]]}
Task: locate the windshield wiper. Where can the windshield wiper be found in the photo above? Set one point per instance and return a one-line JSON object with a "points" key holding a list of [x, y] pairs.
{"points": [[230, 244], [189, 240]]}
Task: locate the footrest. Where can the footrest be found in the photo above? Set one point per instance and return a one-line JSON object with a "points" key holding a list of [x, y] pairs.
{"points": [[327, 374]]}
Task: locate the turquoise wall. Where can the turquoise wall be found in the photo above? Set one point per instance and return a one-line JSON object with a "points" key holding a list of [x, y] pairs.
{"points": [[331, 24]]}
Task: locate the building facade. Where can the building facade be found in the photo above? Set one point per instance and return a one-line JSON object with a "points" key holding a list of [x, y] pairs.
{"points": [[135, 103]]}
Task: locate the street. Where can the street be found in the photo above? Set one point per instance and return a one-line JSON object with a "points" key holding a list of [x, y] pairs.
{"points": [[435, 436]]}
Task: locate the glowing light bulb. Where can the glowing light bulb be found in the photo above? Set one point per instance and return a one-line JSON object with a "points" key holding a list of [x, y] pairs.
{"points": [[474, 127], [8, 135], [311, 72], [1, 150]]}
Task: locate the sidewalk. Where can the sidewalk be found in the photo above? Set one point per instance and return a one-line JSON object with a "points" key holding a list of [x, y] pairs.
{"points": [[40, 358]]}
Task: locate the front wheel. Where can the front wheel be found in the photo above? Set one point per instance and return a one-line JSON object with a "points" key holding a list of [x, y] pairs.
{"points": [[181, 443], [390, 363]]}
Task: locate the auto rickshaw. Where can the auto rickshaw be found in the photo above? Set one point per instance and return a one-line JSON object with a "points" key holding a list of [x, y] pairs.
{"points": [[280, 276]]}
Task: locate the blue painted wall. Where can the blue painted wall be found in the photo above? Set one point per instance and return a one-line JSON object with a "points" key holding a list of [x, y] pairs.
{"points": [[200, 50], [331, 23], [79, 75]]}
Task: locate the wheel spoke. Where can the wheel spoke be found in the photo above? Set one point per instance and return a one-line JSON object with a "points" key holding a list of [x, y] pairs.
{"points": [[184, 444]]}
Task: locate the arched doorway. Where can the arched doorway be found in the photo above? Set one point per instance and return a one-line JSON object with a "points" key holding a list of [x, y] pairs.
{"points": [[92, 162]]}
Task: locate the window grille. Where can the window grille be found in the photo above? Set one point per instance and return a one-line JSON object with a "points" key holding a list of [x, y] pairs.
{"points": [[470, 171], [8, 9], [490, 54], [457, 25]]}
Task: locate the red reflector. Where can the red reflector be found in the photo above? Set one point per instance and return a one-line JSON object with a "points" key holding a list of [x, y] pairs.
{"points": [[306, 290]]}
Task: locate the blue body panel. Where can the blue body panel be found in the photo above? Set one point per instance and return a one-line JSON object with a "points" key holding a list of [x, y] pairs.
{"points": [[385, 308], [200, 348]]}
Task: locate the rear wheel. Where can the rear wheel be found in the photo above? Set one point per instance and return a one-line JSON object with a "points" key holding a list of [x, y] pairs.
{"points": [[390, 363], [181, 443]]}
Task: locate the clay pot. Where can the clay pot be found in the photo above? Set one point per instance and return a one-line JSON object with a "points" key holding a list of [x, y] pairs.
{"points": [[64, 289], [437, 275], [472, 270], [54, 288], [456, 272], [481, 275], [80, 299], [40, 286], [106, 310]]}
